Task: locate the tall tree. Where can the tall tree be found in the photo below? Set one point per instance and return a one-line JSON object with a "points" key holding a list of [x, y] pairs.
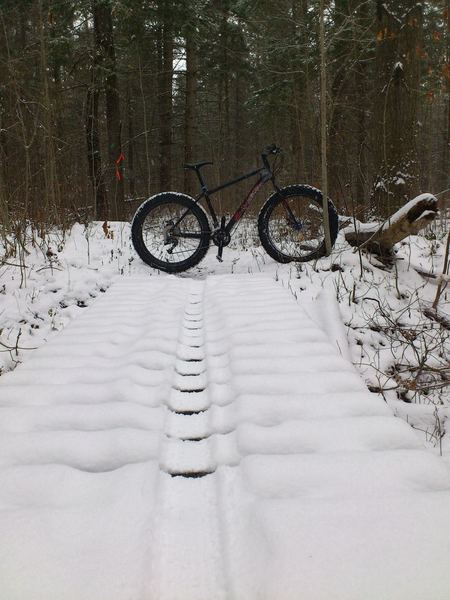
{"points": [[104, 42], [399, 53], [323, 125], [299, 109], [350, 52], [94, 157], [447, 80], [190, 105], [52, 195], [165, 91]]}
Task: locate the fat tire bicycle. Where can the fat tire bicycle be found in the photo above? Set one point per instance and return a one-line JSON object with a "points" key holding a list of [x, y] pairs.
{"points": [[171, 231]]}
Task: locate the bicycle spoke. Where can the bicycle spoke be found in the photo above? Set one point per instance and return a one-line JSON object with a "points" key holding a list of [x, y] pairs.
{"points": [[296, 227], [171, 233]]}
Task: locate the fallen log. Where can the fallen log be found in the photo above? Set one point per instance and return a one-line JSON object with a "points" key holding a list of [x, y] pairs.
{"points": [[380, 238]]}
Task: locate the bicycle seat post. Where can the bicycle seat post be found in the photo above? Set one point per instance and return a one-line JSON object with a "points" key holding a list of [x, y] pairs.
{"points": [[196, 167], [201, 180]]}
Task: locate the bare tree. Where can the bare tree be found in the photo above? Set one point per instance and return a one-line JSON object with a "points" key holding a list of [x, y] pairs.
{"points": [[447, 77], [399, 40], [104, 43], [94, 157], [323, 126], [190, 107], [165, 91]]}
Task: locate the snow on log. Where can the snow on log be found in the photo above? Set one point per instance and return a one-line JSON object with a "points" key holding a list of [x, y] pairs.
{"points": [[408, 220]]}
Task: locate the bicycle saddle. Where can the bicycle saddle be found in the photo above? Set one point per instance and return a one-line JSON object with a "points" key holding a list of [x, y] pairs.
{"points": [[198, 165]]}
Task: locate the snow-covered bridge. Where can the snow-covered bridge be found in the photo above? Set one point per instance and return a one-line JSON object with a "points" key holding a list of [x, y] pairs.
{"points": [[205, 440]]}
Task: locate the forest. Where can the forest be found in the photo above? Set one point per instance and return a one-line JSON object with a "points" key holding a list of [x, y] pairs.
{"points": [[199, 402], [102, 101]]}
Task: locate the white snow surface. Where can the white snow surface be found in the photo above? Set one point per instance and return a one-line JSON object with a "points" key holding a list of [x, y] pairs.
{"points": [[404, 210], [306, 486], [240, 372], [398, 215]]}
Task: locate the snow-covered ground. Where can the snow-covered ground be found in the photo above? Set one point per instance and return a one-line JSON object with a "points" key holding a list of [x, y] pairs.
{"points": [[376, 315], [206, 436]]}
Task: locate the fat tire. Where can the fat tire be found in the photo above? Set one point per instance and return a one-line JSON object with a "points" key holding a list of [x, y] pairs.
{"points": [[139, 243], [309, 192]]}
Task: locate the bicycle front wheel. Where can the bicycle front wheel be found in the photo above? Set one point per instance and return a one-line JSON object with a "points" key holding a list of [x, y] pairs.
{"points": [[290, 224], [170, 232]]}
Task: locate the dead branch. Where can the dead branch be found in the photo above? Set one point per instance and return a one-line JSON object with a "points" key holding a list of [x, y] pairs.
{"points": [[408, 220]]}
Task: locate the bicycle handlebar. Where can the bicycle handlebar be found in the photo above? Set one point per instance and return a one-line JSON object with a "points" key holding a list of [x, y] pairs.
{"points": [[272, 149]]}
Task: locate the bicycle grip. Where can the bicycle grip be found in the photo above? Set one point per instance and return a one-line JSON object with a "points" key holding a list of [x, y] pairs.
{"points": [[272, 149]]}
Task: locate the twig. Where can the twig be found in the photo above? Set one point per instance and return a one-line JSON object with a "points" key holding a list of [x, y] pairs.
{"points": [[444, 272]]}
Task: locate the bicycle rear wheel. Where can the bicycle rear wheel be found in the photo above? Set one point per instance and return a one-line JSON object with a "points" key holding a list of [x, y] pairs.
{"points": [[290, 224], [170, 232]]}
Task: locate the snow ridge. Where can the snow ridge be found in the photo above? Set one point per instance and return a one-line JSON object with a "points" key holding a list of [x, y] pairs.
{"points": [[205, 440], [187, 548]]}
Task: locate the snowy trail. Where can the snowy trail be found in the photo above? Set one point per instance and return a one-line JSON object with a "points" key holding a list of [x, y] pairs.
{"points": [[187, 552], [204, 440]]}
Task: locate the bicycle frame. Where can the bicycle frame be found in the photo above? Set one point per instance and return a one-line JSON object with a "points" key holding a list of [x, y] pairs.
{"points": [[265, 175]]}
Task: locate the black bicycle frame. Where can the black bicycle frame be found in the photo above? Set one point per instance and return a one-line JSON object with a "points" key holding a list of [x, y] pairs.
{"points": [[265, 176]]}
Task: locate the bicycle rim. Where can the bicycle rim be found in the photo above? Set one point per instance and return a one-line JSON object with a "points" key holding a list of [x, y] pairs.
{"points": [[295, 228], [164, 238]]}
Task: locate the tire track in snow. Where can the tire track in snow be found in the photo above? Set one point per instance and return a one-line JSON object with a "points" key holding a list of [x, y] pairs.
{"points": [[259, 457], [187, 559]]}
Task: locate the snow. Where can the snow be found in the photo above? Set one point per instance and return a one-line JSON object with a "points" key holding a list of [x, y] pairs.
{"points": [[324, 311], [399, 214], [404, 210], [246, 375]]}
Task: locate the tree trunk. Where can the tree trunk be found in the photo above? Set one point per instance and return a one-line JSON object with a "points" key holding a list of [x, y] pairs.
{"points": [[94, 156], [190, 183], [323, 128], [239, 123], [165, 83], [104, 39], [342, 49], [361, 193], [298, 142], [130, 152], [6, 104], [447, 75], [224, 99], [349, 55], [93, 152], [399, 53], [148, 169], [51, 194]]}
